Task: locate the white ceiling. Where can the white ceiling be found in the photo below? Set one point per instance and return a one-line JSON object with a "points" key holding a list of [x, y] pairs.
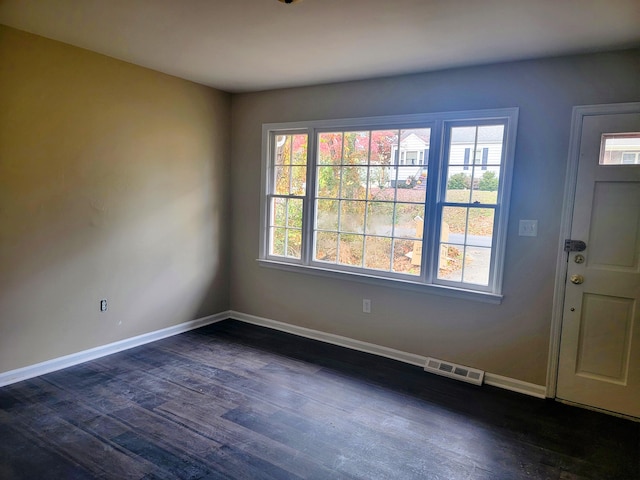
{"points": [[249, 45]]}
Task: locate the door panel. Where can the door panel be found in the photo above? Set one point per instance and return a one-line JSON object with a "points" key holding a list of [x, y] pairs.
{"points": [[615, 225], [605, 334], [599, 362]]}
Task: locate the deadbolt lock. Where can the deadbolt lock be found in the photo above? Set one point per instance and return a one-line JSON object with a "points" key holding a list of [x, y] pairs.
{"points": [[579, 258], [577, 279], [574, 245]]}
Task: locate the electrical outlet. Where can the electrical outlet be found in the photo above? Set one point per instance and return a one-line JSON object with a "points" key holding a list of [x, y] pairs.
{"points": [[366, 305], [103, 305]]}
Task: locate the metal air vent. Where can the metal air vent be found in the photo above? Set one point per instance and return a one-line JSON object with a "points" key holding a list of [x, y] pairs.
{"points": [[451, 370]]}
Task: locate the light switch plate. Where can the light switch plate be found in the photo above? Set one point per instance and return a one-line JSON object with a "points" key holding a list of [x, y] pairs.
{"points": [[528, 228]]}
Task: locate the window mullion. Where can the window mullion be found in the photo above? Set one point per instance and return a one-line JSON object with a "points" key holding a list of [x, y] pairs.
{"points": [[308, 203], [433, 213], [286, 226], [338, 229], [366, 201], [466, 234]]}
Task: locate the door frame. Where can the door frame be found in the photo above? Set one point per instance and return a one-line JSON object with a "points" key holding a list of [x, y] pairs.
{"points": [[562, 266]]}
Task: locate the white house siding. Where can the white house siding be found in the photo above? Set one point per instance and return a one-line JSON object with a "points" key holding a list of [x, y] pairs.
{"points": [[457, 154], [456, 158]]}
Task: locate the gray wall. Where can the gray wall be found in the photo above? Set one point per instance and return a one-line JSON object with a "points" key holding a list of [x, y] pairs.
{"points": [[510, 339], [113, 184]]}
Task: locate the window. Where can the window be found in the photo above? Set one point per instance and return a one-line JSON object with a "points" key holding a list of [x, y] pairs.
{"points": [[287, 195], [417, 200], [366, 208], [412, 158], [620, 149]]}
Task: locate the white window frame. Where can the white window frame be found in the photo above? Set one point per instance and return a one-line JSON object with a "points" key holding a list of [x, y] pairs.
{"points": [[440, 123]]}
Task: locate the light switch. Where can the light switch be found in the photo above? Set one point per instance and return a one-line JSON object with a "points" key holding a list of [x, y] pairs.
{"points": [[528, 228]]}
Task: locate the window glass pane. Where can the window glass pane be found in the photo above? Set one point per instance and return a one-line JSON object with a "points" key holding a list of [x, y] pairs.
{"points": [[298, 180], [454, 225], [282, 179], [473, 226], [327, 214], [409, 183], [414, 142], [283, 150], [328, 182], [480, 227], [384, 144], [408, 220], [465, 252], [490, 140], [278, 212], [406, 256], [458, 185], [620, 149], [450, 262], [352, 216], [290, 149], [380, 218], [356, 148], [278, 241], [326, 247], [330, 148], [475, 155], [351, 247], [486, 186], [377, 253], [380, 183], [354, 182], [477, 261], [461, 138], [294, 243], [294, 211], [299, 149]]}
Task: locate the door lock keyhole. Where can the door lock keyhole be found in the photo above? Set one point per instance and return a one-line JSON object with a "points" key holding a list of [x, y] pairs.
{"points": [[577, 279]]}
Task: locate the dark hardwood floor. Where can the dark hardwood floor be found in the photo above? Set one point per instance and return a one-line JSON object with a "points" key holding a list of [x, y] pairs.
{"points": [[237, 401]]}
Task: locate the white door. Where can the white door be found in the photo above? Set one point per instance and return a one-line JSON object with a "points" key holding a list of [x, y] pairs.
{"points": [[599, 363]]}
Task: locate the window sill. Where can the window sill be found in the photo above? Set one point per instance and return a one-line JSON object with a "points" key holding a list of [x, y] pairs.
{"points": [[462, 293]]}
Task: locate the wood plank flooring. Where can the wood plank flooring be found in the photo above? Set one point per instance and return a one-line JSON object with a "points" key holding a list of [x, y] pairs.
{"points": [[238, 401]]}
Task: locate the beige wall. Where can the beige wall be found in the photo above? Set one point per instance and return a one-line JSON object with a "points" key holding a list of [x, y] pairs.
{"points": [[113, 184], [510, 339]]}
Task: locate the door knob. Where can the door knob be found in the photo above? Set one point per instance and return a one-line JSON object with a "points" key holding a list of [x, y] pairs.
{"points": [[577, 279]]}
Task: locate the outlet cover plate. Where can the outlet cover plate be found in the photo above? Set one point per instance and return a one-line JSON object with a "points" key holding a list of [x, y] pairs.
{"points": [[366, 305]]}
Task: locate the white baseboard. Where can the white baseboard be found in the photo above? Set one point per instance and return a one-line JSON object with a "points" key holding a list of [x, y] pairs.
{"points": [[13, 376], [19, 374], [331, 338], [506, 383], [514, 385]]}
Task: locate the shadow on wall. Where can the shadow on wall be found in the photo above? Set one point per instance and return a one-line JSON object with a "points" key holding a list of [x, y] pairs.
{"points": [[112, 185]]}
